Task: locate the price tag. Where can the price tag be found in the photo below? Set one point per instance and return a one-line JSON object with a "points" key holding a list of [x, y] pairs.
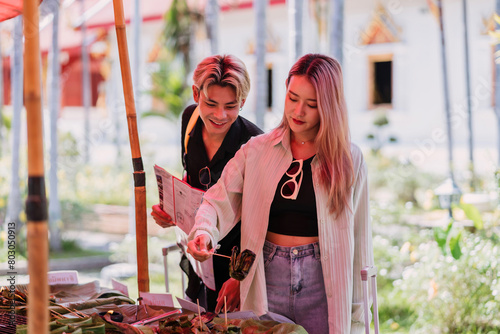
{"points": [[62, 277], [158, 299], [190, 306]]}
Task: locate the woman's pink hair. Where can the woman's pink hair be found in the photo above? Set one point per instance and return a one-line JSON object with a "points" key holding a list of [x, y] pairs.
{"points": [[333, 141]]}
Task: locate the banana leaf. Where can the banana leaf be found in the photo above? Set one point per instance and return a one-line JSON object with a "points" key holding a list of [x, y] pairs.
{"points": [[74, 321], [85, 305], [93, 329], [23, 329]]}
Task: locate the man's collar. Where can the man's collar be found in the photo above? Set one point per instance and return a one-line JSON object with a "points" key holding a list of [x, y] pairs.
{"points": [[232, 140]]}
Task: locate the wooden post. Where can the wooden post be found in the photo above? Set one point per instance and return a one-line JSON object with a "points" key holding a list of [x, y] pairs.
{"points": [[36, 202], [141, 230]]}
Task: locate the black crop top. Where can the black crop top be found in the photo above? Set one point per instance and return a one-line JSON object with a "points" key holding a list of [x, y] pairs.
{"points": [[295, 217]]}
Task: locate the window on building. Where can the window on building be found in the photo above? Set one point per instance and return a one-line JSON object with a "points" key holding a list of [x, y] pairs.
{"points": [[380, 81]]}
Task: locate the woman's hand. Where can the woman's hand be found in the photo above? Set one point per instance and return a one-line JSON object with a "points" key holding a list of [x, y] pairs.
{"points": [[230, 289], [200, 247], [161, 217]]}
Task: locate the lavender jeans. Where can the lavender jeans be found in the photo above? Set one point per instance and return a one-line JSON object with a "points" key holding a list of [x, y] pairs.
{"points": [[295, 286]]}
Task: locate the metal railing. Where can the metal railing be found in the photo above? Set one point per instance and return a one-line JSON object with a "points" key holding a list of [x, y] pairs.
{"points": [[165, 250]]}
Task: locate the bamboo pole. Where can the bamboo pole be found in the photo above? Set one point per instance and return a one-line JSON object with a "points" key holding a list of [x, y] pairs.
{"points": [[36, 202], [141, 230]]}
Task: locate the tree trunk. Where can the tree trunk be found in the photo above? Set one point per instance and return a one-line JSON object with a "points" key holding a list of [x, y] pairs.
{"points": [[336, 30], [54, 107], [446, 90], [212, 24], [295, 8], [497, 87], [14, 206], [468, 94], [86, 88], [260, 62]]}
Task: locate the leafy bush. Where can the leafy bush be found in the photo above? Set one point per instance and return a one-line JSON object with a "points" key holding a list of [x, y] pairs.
{"points": [[454, 296], [125, 251], [398, 181], [72, 212], [392, 255]]}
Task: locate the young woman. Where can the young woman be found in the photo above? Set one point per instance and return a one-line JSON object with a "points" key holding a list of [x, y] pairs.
{"points": [[302, 197], [221, 85]]}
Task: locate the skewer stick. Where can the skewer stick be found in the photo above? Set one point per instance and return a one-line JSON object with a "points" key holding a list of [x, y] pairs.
{"points": [[221, 255], [70, 311], [56, 315], [199, 313], [225, 310]]}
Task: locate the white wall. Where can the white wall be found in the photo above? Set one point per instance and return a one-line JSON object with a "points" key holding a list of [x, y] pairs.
{"points": [[418, 117]]}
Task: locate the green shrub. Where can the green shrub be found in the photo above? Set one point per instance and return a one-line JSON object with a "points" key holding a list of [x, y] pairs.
{"points": [[398, 181], [454, 296], [72, 213]]}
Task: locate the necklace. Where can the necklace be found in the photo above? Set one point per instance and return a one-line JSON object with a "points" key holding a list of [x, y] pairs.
{"points": [[302, 142]]}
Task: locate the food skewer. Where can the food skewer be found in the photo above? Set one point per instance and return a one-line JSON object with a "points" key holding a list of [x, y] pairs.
{"points": [[199, 313], [225, 311], [75, 312], [56, 315], [240, 263], [226, 256]]}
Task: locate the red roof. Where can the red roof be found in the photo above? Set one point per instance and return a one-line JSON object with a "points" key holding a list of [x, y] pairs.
{"points": [[101, 15], [150, 10], [10, 9], [155, 9]]}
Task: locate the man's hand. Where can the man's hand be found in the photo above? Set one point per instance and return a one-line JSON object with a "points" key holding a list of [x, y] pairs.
{"points": [[200, 248], [230, 289], [161, 217]]}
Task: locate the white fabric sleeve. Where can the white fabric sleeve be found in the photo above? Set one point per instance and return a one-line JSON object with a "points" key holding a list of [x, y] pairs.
{"points": [[363, 249]]}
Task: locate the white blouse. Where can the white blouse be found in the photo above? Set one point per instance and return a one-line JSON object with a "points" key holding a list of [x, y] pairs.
{"points": [[245, 192]]}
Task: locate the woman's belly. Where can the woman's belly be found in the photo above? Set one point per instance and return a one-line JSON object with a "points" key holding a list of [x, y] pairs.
{"points": [[289, 240]]}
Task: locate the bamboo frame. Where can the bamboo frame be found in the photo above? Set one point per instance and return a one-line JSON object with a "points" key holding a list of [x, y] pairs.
{"points": [[141, 229], [36, 202]]}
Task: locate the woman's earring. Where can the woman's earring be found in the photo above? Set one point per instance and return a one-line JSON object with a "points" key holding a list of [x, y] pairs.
{"points": [[240, 109]]}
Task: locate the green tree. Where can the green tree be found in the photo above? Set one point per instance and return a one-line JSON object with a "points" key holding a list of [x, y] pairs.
{"points": [[169, 87], [169, 81], [377, 137], [178, 32]]}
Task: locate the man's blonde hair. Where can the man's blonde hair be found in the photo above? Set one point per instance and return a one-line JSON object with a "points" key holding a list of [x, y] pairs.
{"points": [[223, 70]]}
